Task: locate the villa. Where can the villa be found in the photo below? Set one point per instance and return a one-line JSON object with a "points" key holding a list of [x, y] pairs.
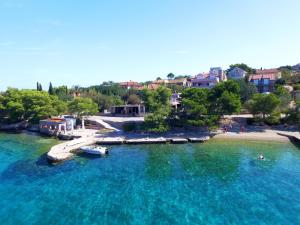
{"points": [[264, 80], [236, 74], [209, 80]]}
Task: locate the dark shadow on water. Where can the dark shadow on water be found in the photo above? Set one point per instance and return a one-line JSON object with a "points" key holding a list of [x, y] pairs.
{"points": [[23, 171], [43, 161]]}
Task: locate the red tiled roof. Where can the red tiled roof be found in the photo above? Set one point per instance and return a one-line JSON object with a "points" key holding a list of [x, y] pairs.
{"points": [[268, 71], [262, 76], [130, 84]]}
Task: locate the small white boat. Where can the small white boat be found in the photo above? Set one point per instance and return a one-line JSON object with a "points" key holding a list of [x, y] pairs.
{"points": [[93, 149]]}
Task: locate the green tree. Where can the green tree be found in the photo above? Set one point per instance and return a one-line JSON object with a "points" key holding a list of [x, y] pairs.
{"points": [[83, 106], [133, 99], [30, 105], [263, 104], [284, 97], [39, 86], [228, 103], [157, 121], [293, 115], [225, 98], [296, 87], [170, 76], [247, 90], [242, 66], [62, 92], [195, 106], [159, 98], [158, 104], [50, 90]]}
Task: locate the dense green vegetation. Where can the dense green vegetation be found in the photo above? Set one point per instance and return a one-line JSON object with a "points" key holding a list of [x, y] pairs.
{"points": [[18, 105], [199, 107]]}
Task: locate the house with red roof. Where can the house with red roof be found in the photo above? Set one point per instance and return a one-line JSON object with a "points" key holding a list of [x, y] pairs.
{"points": [[130, 85], [264, 80]]}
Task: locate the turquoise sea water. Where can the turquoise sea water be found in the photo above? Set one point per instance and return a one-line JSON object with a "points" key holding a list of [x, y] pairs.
{"points": [[213, 183]]}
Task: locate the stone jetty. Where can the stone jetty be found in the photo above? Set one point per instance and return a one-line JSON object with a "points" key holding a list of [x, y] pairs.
{"points": [[201, 139], [110, 141], [160, 140], [65, 150], [179, 140]]}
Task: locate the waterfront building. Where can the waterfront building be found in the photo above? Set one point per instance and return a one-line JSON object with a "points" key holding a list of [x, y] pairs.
{"points": [[54, 126], [236, 74], [128, 110]]}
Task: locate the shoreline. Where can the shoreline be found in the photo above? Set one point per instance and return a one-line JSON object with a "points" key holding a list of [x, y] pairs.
{"points": [[266, 135]]}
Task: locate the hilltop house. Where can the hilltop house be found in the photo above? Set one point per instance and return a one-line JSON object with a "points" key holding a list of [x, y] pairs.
{"points": [[264, 80], [183, 82], [130, 85], [236, 73], [208, 80]]}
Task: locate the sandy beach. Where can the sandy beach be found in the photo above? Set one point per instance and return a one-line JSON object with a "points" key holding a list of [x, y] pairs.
{"points": [[265, 135]]}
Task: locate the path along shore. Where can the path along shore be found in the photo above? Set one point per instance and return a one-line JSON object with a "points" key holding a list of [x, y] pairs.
{"points": [[65, 150]]}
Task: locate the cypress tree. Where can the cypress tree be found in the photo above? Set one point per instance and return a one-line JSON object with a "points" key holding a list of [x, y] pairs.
{"points": [[50, 91]]}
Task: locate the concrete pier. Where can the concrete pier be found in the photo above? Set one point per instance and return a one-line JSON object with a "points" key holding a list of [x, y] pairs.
{"points": [[201, 139], [64, 150], [179, 140], [160, 140], [110, 141]]}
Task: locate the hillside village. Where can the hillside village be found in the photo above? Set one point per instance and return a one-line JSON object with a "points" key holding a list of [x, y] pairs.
{"points": [[175, 102]]}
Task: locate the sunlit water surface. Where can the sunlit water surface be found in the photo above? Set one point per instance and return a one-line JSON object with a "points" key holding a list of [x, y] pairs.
{"points": [[219, 182]]}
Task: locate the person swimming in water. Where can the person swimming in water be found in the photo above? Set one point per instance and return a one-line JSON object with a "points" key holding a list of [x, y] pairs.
{"points": [[261, 157]]}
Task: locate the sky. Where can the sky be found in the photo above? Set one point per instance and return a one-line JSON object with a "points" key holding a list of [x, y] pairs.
{"points": [[76, 42]]}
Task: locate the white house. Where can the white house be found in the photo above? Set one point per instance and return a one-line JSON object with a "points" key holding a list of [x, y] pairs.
{"points": [[236, 73]]}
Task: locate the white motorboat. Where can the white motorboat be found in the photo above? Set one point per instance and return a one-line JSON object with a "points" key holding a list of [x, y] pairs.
{"points": [[94, 149]]}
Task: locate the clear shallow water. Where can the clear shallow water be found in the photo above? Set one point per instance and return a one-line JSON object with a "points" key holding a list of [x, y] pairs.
{"points": [[213, 183]]}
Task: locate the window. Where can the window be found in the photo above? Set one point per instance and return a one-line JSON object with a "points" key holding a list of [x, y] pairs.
{"points": [[266, 81]]}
